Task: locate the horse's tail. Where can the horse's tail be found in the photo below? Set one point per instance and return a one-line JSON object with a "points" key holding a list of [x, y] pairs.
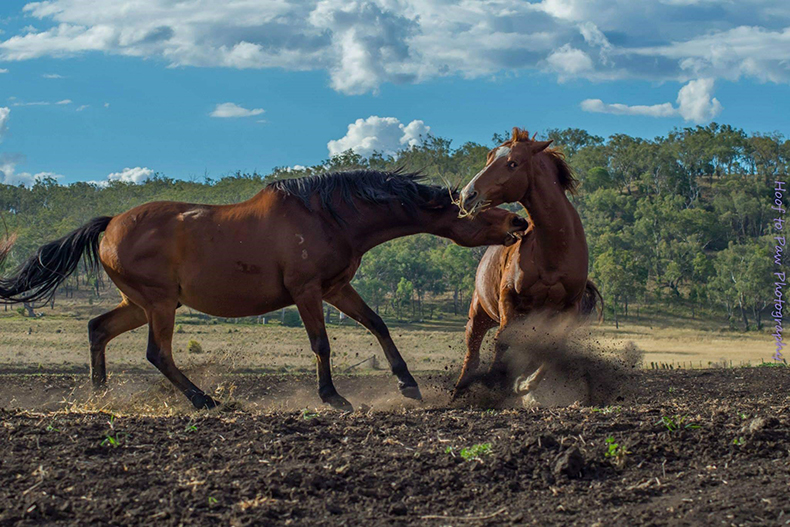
{"points": [[37, 278], [592, 300]]}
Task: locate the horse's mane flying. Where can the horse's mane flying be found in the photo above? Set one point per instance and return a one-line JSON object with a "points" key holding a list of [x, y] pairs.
{"points": [[564, 172], [371, 186]]}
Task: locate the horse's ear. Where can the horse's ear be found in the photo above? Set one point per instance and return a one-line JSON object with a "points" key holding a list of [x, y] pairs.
{"points": [[540, 146]]}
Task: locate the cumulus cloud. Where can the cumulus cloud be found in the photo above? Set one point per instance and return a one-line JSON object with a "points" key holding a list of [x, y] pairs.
{"points": [[695, 102], [64, 101], [569, 61], [229, 109], [53, 76], [9, 175], [364, 43], [379, 134], [131, 175]]}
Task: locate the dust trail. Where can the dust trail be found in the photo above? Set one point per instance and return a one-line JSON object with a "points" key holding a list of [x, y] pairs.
{"points": [[578, 368]]}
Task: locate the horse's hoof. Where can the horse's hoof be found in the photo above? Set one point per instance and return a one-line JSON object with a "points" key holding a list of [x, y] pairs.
{"points": [[340, 403], [412, 392], [204, 402]]}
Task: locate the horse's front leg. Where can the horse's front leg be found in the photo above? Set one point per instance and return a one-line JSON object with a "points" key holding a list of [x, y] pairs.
{"points": [[349, 302], [308, 302]]}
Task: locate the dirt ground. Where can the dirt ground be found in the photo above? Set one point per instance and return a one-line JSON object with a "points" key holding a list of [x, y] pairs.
{"points": [[697, 447]]}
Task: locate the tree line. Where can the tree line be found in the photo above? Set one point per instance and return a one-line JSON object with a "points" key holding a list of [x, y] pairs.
{"points": [[681, 220]]}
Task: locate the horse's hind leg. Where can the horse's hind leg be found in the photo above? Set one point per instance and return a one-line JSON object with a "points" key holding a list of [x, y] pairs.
{"points": [[102, 329], [476, 328], [161, 319], [349, 302]]}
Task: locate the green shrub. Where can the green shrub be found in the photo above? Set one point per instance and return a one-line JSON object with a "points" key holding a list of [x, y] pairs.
{"points": [[193, 346]]}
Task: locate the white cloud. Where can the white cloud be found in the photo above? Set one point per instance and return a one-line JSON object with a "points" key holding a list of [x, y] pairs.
{"points": [[3, 70], [82, 107], [655, 110], [569, 61], [229, 109], [379, 134], [32, 103], [106, 105], [5, 112], [53, 76], [364, 43], [9, 175], [131, 175], [64, 101], [695, 103]]}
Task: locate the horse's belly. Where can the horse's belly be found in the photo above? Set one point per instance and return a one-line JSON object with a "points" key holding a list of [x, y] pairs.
{"points": [[235, 294]]}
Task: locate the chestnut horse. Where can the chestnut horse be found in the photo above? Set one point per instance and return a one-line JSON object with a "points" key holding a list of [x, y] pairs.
{"points": [[298, 241], [546, 269]]}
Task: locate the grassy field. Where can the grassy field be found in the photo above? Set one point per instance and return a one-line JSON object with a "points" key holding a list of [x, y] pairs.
{"points": [[58, 340]]}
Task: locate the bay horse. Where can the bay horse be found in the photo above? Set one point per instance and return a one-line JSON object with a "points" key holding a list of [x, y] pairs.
{"points": [[298, 241], [546, 270]]}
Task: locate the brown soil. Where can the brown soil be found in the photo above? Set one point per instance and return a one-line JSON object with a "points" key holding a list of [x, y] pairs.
{"points": [[263, 461]]}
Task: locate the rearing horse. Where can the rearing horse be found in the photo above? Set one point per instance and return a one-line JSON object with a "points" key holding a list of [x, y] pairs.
{"points": [[298, 241], [547, 268]]}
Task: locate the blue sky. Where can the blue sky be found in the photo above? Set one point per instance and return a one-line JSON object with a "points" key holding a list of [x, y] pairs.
{"points": [[204, 87]]}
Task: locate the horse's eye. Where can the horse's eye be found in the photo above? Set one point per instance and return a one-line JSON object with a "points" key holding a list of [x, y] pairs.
{"points": [[512, 164]]}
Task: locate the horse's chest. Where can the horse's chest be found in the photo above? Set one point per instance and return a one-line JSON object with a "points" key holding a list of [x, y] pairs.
{"points": [[536, 290]]}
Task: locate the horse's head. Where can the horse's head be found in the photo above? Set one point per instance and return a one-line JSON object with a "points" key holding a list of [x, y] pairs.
{"points": [[506, 177], [490, 227]]}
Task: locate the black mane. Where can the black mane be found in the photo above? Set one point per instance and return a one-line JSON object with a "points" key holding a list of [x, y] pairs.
{"points": [[371, 186]]}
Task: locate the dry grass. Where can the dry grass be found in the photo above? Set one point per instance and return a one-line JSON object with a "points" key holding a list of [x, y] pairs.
{"points": [[59, 340]]}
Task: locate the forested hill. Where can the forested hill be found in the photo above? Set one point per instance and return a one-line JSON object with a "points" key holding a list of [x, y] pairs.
{"points": [[681, 220]]}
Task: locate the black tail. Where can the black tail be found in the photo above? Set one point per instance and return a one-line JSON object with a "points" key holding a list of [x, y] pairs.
{"points": [[591, 300], [37, 278]]}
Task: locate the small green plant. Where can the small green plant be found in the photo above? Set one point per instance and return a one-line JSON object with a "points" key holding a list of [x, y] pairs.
{"points": [[743, 415], [212, 500], [474, 452], [678, 422], [738, 441], [190, 427], [179, 329], [671, 389], [110, 439], [113, 441], [193, 346], [489, 412], [51, 428], [606, 410], [616, 452], [307, 414]]}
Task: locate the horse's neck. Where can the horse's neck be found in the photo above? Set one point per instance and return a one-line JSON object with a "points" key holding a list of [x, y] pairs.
{"points": [[556, 224], [374, 226]]}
